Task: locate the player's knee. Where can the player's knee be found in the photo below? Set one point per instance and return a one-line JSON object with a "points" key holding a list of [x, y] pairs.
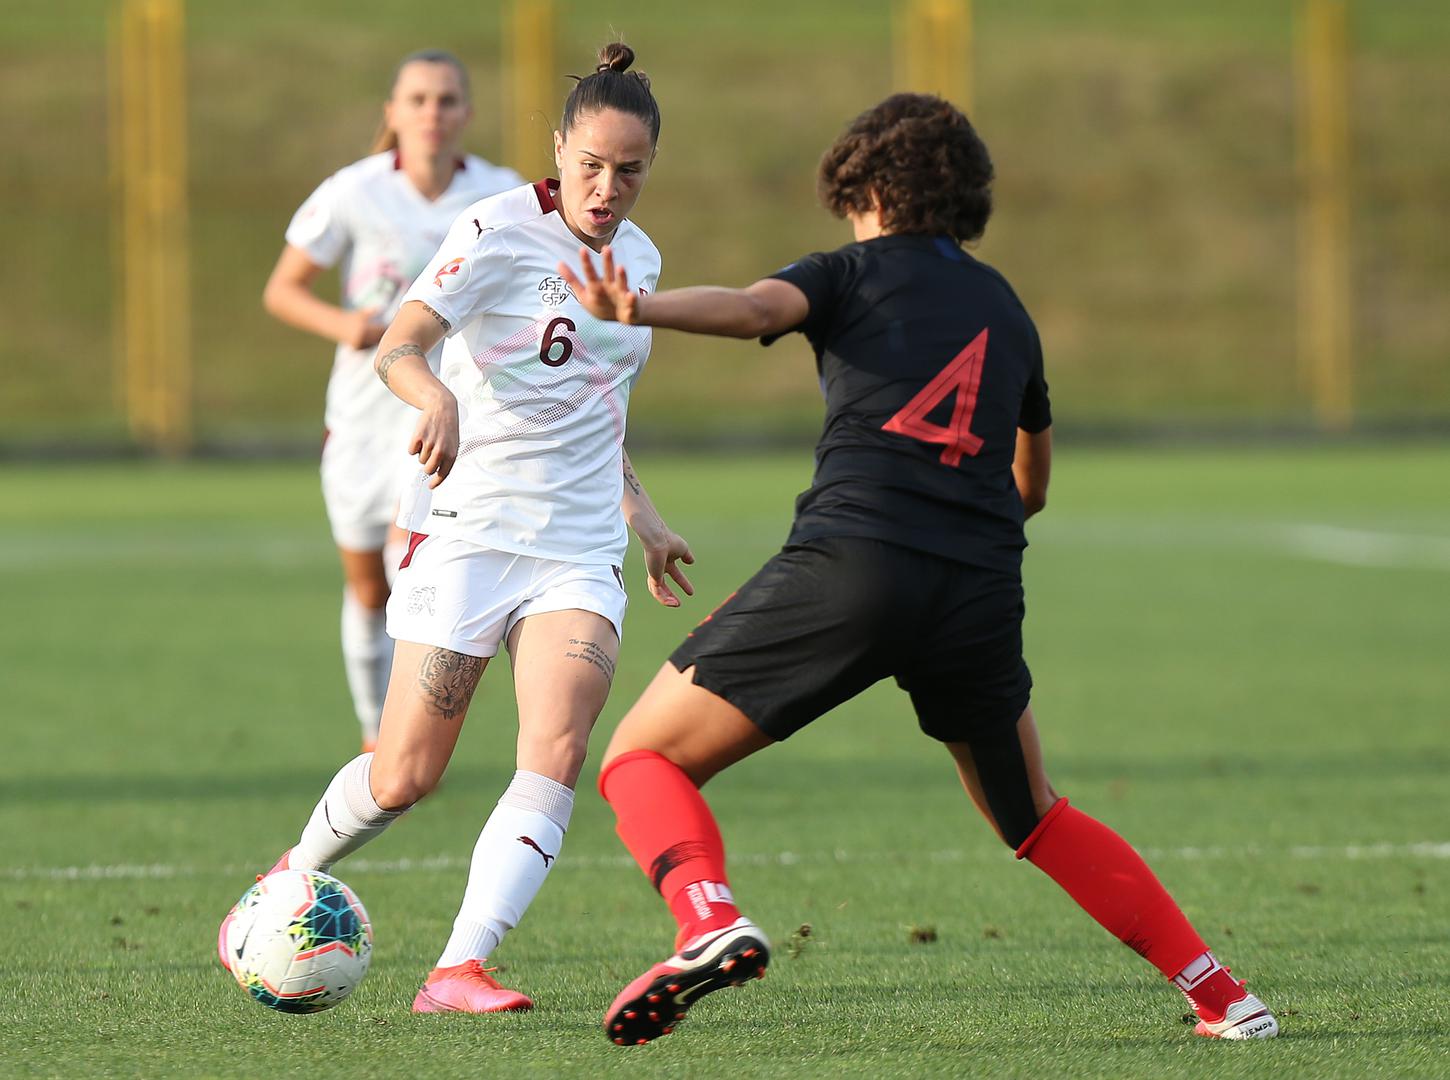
{"points": [[557, 754], [573, 751]]}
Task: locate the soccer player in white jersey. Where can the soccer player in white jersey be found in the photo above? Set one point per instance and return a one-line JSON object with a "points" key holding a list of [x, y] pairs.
{"points": [[516, 530], [379, 221]]}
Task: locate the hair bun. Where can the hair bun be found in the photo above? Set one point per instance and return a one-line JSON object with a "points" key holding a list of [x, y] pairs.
{"points": [[616, 56]]}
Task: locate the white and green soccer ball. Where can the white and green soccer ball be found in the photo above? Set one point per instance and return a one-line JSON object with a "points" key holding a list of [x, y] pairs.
{"points": [[299, 941]]}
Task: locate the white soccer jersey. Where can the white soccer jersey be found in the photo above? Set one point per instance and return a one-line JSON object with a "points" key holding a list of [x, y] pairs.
{"points": [[370, 221], [542, 385]]}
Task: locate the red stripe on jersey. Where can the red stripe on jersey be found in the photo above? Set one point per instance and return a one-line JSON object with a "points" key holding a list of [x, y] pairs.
{"points": [[414, 539], [546, 189]]}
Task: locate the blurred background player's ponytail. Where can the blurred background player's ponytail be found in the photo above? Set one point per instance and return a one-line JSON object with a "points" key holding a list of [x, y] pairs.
{"points": [[613, 86], [386, 138]]}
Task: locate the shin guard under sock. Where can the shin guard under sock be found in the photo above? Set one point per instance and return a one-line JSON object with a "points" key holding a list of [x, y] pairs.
{"points": [[668, 828], [518, 846], [1112, 883]]}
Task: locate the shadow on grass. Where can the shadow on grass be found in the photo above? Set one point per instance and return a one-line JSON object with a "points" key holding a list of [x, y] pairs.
{"points": [[850, 775], [178, 787]]}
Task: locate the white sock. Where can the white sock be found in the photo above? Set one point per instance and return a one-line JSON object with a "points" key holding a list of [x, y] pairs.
{"points": [[347, 818], [367, 657], [517, 847], [393, 552]]}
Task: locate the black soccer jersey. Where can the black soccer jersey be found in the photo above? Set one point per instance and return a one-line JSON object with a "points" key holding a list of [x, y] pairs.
{"points": [[929, 364]]}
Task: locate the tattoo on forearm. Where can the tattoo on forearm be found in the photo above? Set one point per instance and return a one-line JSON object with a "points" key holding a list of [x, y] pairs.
{"points": [[591, 653], [448, 680], [441, 320], [385, 363], [630, 480]]}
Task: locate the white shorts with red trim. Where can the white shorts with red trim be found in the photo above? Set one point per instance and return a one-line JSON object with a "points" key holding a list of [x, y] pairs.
{"points": [[455, 595]]}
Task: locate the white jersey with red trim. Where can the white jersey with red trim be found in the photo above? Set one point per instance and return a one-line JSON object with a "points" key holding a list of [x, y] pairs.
{"points": [[542, 385], [372, 223]]}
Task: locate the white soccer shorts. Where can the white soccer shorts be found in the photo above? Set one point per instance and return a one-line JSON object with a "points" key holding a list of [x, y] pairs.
{"points": [[361, 485], [455, 595]]}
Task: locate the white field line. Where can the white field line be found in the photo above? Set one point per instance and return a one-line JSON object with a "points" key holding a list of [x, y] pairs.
{"points": [[1314, 541], [1308, 853], [1362, 547]]}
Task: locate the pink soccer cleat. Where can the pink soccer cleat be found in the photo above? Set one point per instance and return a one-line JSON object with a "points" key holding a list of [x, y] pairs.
{"points": [[652, 1004], [469, 988], [221, 937]]}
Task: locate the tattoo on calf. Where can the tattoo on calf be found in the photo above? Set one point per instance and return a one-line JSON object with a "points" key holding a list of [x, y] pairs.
{"points": [[591, 653], [441, 320], [385, 363], [448, 680]]}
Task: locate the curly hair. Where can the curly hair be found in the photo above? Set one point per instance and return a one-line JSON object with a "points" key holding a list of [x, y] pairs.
{"points": [[920, 159]]}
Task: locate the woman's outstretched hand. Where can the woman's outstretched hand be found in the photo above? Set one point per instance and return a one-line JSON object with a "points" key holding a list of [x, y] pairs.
{"points": [[605, 295]]}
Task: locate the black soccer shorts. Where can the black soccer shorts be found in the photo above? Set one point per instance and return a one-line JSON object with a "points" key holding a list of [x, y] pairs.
{"points": [[826, 618]]}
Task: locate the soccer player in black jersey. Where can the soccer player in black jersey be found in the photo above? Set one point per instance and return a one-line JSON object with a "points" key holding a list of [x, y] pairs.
{"points": [[904, 561]]}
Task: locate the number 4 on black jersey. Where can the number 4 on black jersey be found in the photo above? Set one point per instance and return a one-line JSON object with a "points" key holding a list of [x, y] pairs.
{"points": [[929, 364]]}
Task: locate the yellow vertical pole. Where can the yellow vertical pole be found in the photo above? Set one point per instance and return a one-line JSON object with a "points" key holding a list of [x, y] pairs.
{"points": [[135, 310], [933, 49], [533, 94], [171, 217], [155, 310], [1325, 343], [116, 156]]}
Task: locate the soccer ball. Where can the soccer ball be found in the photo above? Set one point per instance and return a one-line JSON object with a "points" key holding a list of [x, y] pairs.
{"points": [[299, 941]]}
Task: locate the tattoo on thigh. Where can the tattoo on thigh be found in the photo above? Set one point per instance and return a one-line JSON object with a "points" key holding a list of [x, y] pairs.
{"points": [[591, 653], [448, 680]]}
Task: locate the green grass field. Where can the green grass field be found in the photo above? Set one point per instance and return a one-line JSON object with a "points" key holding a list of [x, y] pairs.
{"points": [[1241, 665]]}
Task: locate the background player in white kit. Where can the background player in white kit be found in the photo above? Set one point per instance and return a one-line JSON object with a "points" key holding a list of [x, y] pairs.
{"points": [[379, 221], [517, 535]]}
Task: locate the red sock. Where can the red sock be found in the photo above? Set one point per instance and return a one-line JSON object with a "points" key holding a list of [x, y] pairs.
{"points": [[1112, 883], [1209, 986], [668, 828]]}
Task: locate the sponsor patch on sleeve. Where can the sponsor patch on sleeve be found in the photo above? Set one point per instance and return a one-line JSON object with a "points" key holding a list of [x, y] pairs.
{"points": [[452, 275]]}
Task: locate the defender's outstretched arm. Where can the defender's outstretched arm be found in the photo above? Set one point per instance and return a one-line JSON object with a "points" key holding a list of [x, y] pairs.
{"points": [[770, 306]]}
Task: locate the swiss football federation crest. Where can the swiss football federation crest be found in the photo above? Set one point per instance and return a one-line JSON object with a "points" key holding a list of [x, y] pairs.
{"points": [[554, 291]]}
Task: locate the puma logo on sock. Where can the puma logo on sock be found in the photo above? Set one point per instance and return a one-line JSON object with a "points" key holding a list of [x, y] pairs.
{"points": [[529, 840]]}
